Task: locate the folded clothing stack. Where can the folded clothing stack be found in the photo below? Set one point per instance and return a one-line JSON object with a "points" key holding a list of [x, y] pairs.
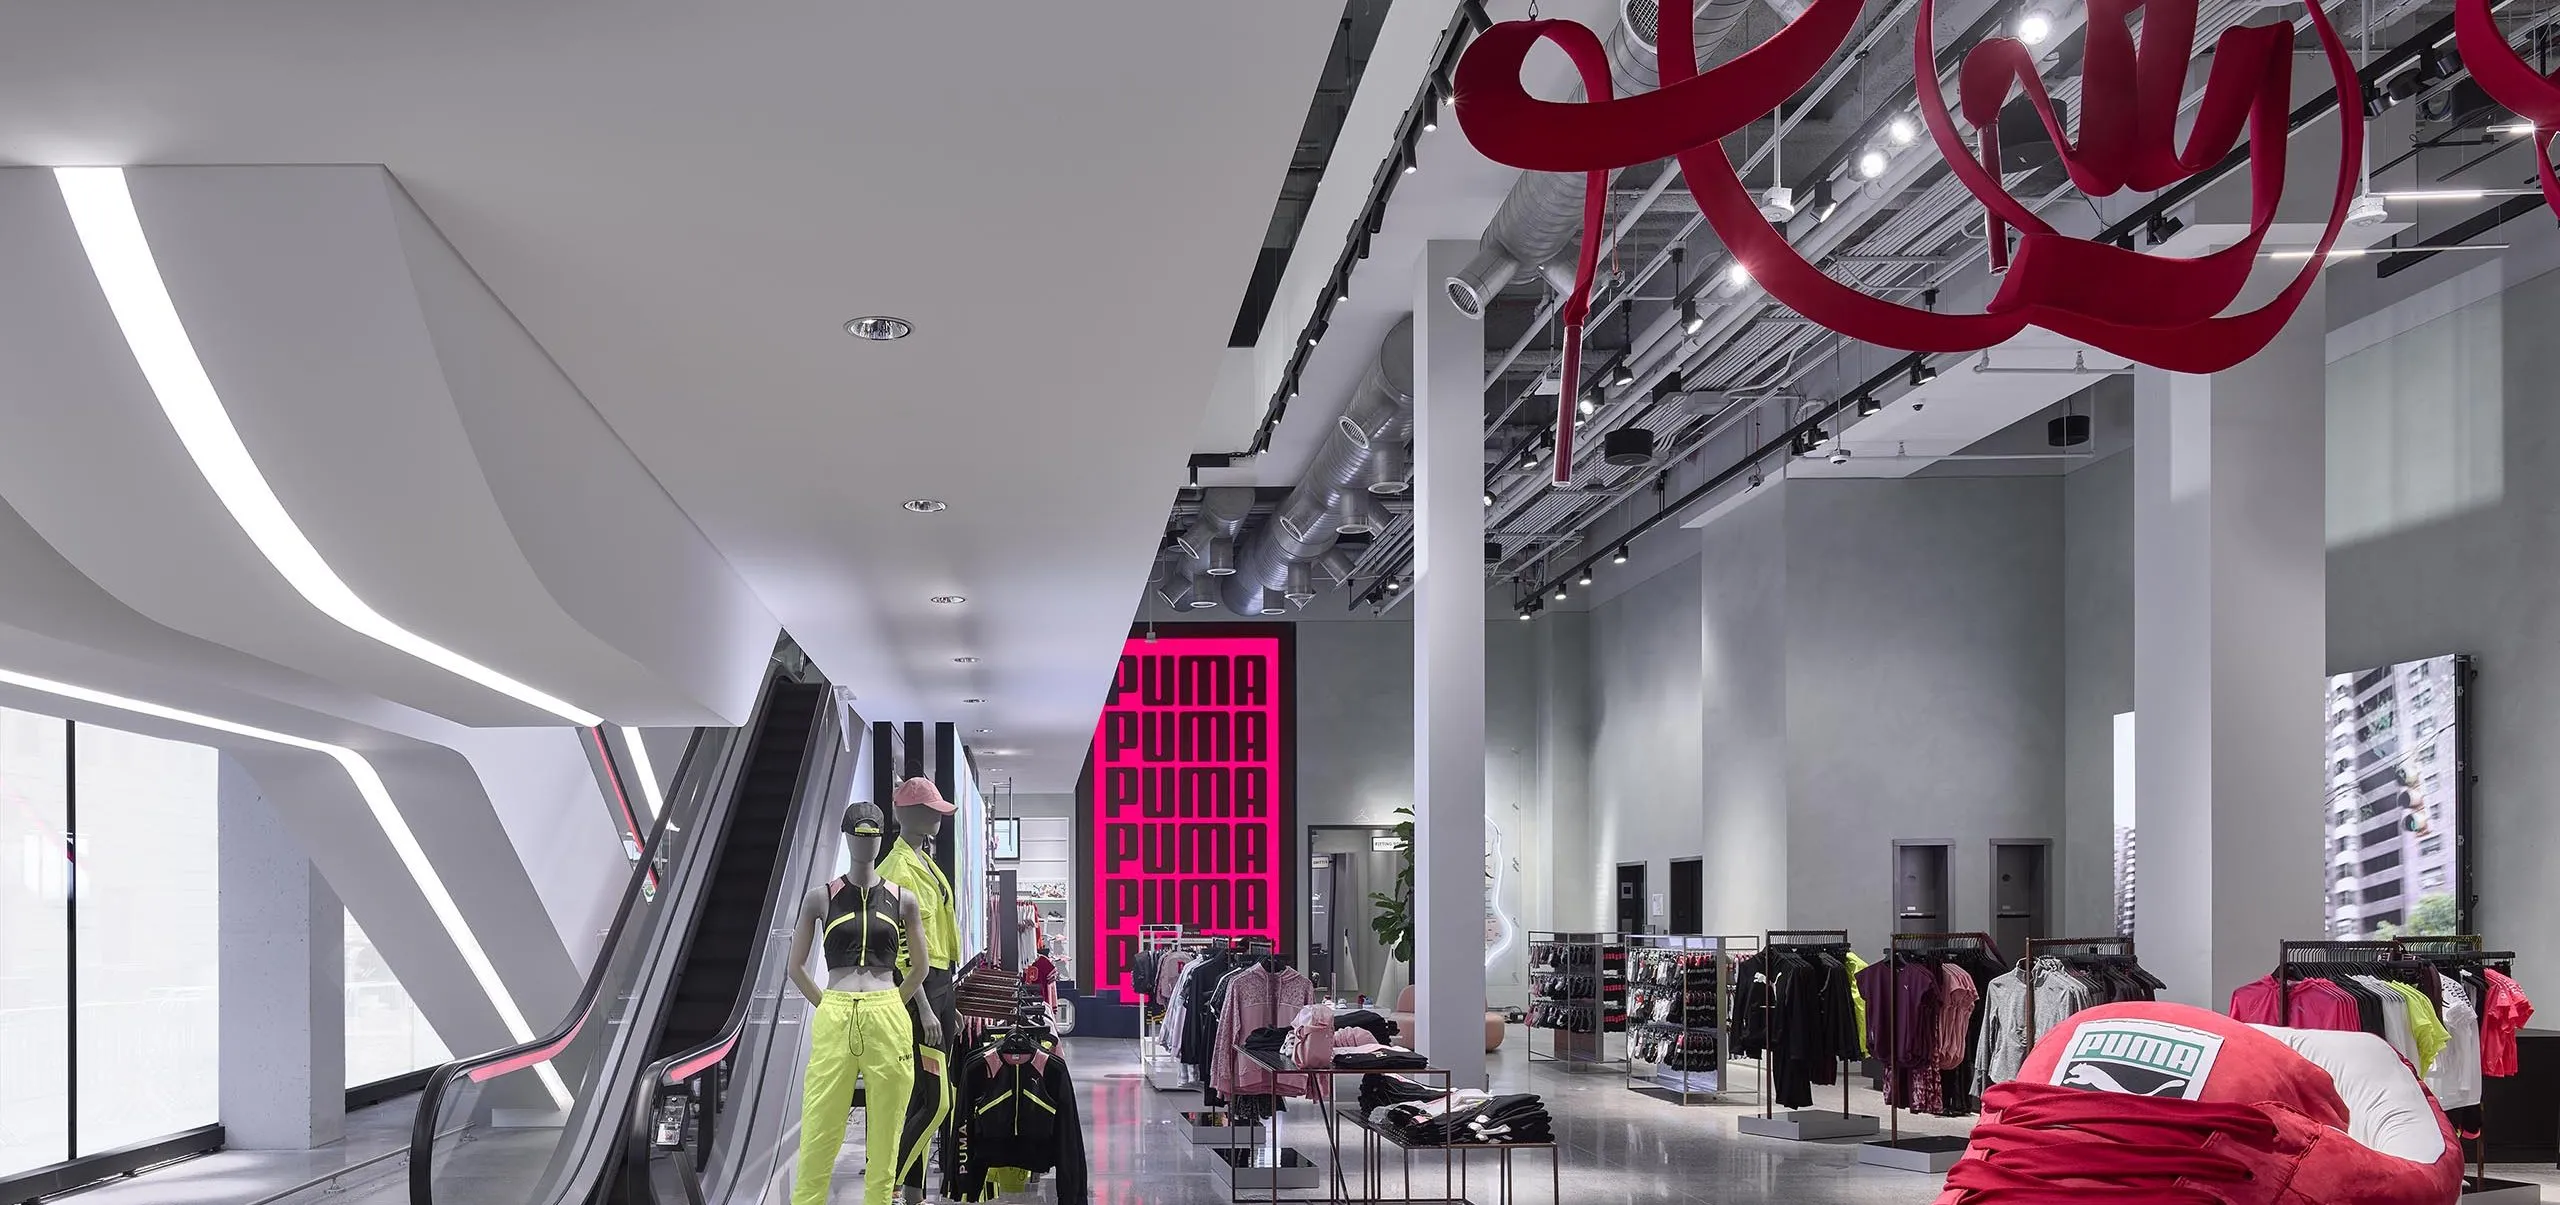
{"points": [[1516, 1118], [1267, 1039], [1377, 1058], [1361, 1018], [1379, 1091]]}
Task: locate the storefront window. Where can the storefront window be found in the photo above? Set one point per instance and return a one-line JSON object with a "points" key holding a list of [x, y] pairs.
{"points": [[386, 1035], [149, 937], [35, 968]]}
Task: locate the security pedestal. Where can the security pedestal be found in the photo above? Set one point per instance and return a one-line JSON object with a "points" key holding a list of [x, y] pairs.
{"points": [[1932, 1154]]}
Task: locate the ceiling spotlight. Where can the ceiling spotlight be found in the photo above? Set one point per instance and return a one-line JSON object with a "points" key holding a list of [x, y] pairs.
{"points": [[1585, 578], [1560, 592], [1778, 204], [1826, 200], [1735, 275], [1691, 321], [965, 660], [1922, 373], [985, 731], [973, 700], [2367, 210], [1620, 556], [2035, 27], [1902, 131], [1623, 375], [2161, 228], [926, 506], [1394, 585], [879, 328], [1588, 406], [1872, 163], [1431, 112], [1525, 614], [1840, 454], [1412, 164], [1488, 498], [1868, 405], [950, 600]]}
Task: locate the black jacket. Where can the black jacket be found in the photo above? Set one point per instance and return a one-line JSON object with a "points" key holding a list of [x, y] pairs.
{"points": [[1014, 1105]]}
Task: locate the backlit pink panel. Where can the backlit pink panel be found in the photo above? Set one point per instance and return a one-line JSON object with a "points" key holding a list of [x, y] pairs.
{"points": [[1187, 794]]}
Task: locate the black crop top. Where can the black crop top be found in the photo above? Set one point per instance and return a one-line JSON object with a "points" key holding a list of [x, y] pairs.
{"points": [[864, 928]]}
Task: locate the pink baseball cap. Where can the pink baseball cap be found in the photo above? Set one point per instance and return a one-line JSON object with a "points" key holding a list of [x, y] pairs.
{"points": [[921, 793]]}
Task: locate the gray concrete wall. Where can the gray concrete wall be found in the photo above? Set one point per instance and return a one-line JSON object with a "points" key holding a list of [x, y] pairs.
{"points": [[2481, 580], [1924, 662], [2097, 683], [1742, 732], [1646, 761]]}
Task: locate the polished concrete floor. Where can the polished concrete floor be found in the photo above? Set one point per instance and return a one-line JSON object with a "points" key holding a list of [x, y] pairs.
{"points": [[1614, 1145]]}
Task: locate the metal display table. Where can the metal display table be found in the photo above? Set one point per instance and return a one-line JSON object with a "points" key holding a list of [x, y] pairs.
{"points": [[1338, 1183]]}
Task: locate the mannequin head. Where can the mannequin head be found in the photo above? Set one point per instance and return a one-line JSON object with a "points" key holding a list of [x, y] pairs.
{"points": [[921, 809], [863, 831]]}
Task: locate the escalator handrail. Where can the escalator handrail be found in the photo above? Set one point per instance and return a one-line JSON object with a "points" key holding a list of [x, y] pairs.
{"points": [[481, 1067], [675, 1069]]}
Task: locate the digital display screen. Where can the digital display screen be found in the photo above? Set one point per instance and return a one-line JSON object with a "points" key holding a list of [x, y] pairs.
{"points": [[2393, 813], [1186, 795]]}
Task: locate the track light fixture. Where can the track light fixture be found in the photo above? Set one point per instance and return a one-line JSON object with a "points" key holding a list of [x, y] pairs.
{"points": [[1620, 556], [1902, 131], [1872, 163], [1868, 405], [1826, 197], [2161, 228], [1623, 375], [1589, 405], [1691, 320], [1922, 373], [1561, 595], [1584, 578], [2035, 27], [1488, 499]]}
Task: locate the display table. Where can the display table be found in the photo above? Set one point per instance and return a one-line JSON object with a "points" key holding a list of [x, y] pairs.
{"points": [[1334, 1118]]}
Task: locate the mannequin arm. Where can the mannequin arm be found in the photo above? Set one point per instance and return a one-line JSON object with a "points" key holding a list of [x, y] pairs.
{"points": [[911, 986], [813, 912]]}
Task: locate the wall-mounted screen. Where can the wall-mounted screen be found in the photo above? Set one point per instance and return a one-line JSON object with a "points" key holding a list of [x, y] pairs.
{"points": [[2393, 815], [1186, 803]]}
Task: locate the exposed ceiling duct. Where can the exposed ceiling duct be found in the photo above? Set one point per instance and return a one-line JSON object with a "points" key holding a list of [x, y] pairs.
{"points": [[1339, 491], [1538, 228], [1206, 551]]}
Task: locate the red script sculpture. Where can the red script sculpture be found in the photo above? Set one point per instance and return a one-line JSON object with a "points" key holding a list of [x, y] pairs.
{"points": [[2509, 80], [2158, 310]]}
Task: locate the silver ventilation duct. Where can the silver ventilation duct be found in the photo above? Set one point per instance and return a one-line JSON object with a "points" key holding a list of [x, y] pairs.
{"points": [[1337, 486], [1538, 228]]}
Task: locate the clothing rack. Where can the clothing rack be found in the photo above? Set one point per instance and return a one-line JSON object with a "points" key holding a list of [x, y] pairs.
{"points": [[1921, 943], [1716, 978], [1155, 940], [1801, 1125], [1574, 1049], [2469, 950], [2064, 947], [2293, 954]]}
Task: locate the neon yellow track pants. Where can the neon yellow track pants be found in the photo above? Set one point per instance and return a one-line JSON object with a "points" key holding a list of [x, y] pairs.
{"points": [[855, 1034]]}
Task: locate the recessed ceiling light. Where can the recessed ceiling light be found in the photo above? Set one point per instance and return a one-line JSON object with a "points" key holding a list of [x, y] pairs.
{"points": [[879, 328], [966, 660], [950, 600], [973, 700], [925, 506], [985, 731]]}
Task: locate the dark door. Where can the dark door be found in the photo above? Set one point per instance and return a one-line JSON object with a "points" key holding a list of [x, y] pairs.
{"points": [[2020, 900], [1631, 897], [1689, 895], [1920, 887]]}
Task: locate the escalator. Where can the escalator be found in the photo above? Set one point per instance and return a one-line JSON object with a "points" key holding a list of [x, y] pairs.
{"points": [[564, 1120]]}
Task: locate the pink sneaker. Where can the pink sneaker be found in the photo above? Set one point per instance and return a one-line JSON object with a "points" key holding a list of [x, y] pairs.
{"points": [[2162, 1103]]}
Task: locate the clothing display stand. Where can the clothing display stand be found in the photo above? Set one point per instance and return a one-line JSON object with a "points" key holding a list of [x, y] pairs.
{"points": [[1803, 1125], [2064, 948], [1163, 1072], [1932, 1154], [2293, 956], [1658, 968], [1219, 1127], [1591, 970], [2466, 950]]}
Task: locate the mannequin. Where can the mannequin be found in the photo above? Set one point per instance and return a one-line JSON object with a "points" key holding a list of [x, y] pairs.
{"points": [[910, 864], [868, 926]]}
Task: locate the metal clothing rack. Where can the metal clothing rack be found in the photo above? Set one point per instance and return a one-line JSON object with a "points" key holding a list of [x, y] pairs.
{"points": [[1717, 979], [2063, 947], [1929, 1153], [1566, 1050], [1801, 1125], [2469, 950], [2291, 954], [1155, 940]]}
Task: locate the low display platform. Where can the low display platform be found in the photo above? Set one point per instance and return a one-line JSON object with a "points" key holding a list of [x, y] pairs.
{"points": [[1931, 1154], [1213, 1127], [1263, 1170], [2494, 1191], [1808, 1125]]}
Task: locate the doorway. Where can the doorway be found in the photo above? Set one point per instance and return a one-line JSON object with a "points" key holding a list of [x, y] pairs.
{"points": [[1346, 864], [1920, 887], [2021, 899], [1689, 895], [1631, 897]]}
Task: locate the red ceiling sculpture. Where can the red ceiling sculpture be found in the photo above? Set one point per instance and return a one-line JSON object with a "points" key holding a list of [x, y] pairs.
{"points": [[2158, 310], [2509, 80]]}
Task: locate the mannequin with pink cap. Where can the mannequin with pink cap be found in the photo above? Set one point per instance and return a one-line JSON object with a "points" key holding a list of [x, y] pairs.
{"points": [[909, 864]]}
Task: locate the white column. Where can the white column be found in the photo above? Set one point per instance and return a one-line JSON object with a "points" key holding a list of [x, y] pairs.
{"points": [[284, 993], [2230, 630], [1448, 672]]}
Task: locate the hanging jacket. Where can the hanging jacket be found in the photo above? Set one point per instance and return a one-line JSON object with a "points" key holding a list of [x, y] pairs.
{"points": [[1014, 1106]]}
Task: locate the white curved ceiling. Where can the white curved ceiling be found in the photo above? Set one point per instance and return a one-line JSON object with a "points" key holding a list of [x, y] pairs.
{"points": [[680, 203]]}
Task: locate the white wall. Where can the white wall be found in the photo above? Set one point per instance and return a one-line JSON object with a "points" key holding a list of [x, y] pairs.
{"points": [[2097, 655]]}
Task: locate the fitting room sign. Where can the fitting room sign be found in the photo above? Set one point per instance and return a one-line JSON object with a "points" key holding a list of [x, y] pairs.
{"points": [[1187, 794]]}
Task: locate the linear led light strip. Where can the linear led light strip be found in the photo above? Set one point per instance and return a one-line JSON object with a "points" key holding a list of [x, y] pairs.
{"points": [[640, 769], [111, 232], [395, 828]]}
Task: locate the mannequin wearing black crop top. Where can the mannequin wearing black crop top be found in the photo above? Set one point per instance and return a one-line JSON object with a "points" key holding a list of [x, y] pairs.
{"points": [[862, 1031], [862, 920]]}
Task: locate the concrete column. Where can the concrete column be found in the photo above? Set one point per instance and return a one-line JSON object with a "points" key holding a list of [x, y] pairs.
{"points": [[2230, 623], [284, 989], [1448, 671]]}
